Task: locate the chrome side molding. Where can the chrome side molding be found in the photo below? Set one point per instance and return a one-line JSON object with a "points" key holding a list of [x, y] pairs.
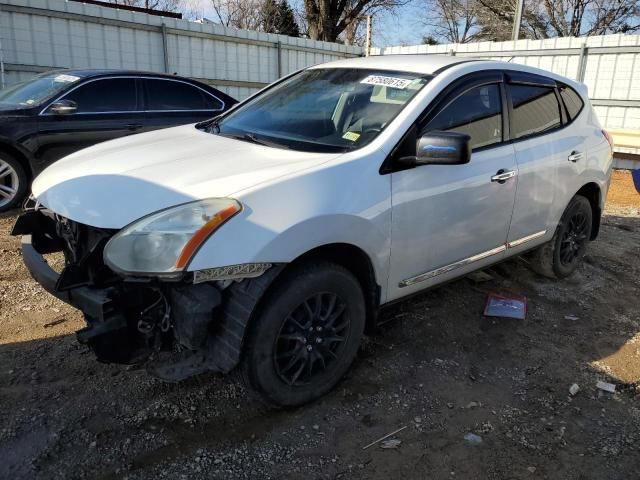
{"points": [[453, 266], [526, 239], [466, 261]]}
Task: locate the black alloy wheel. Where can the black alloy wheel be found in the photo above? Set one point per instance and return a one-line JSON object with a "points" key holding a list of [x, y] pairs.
{"points": [[311, 339], [304, 335]]}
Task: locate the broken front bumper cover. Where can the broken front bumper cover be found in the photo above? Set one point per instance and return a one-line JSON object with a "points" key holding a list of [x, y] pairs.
{"points": [[142, 320], [96, 304]]}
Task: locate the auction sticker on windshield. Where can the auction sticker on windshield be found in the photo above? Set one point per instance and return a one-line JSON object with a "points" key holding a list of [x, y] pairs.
{"points": [[392, 82], [66, 78]]}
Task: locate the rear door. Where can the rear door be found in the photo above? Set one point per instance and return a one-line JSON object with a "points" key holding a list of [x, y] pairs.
{"points": [[171, 102], [450, 219], [544, 151], [107, 108]]}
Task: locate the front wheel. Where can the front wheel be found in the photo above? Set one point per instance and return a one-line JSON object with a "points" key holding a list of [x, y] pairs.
{"points": [[306, 335], [561, 256]]}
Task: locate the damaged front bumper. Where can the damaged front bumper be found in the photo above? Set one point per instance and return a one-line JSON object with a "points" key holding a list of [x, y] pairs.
{"points": [[166, 324]]}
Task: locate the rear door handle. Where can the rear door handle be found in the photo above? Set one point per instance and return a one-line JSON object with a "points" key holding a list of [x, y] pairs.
{"points": [[503, 175], [134, 126], [575, 156]]}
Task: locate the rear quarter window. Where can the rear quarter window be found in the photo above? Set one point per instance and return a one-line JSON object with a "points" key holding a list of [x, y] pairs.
{"points": [[572, 101]]}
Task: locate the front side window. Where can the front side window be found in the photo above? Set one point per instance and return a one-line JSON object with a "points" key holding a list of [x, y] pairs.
{"points": [[535, 110], [109, 95], [164, 95], [35, 91], [477, 113], [327, 109]]}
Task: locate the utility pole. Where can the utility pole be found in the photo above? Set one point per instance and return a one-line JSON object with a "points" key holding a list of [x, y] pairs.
{"points": [[368, 41], [517, 20]]}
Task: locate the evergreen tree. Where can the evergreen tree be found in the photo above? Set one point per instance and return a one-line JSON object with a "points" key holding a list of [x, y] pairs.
{"points": [[278, 17]]}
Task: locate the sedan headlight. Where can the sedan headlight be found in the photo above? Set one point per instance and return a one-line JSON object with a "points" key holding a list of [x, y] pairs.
{"points": [[164, 242]]}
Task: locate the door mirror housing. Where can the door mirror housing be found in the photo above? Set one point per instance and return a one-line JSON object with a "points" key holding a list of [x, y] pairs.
{"points": [[440, 148], [63, 107]]}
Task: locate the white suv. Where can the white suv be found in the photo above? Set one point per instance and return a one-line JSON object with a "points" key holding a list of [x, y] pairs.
{"points": [[268, 238]]}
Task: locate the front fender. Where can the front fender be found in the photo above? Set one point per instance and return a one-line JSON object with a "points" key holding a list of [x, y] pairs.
{"points": [[286, 219]]}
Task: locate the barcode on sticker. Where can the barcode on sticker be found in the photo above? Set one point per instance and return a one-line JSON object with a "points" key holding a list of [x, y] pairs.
{"points": [[392, 82]]}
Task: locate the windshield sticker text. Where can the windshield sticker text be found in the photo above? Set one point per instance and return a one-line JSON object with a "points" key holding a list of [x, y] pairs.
{"points": [[352, 136], [392, 82]]}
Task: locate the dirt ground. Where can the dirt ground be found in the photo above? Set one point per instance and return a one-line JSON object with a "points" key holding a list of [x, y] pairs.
{"points": [[437, 367]]}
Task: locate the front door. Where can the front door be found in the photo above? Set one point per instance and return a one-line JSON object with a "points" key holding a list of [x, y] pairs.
{"points": [[106, 109], [451, 219]]}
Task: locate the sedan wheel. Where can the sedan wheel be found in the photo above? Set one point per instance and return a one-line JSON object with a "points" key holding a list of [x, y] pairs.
{"points": [[9, 183], [13, 182]]}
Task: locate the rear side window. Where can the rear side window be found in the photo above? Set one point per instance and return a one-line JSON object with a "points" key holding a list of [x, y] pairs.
{"points": [[572, 101], [535, 110], [110, 95], [169, 95], [477, 112]]}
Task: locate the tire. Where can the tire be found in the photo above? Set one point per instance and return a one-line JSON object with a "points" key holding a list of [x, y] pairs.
{"points": [[560, 257], [13, 182], [318, 295]]}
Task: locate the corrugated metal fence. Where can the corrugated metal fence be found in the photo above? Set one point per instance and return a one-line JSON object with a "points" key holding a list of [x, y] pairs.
{"points": [[38, 35], [609, 65]]}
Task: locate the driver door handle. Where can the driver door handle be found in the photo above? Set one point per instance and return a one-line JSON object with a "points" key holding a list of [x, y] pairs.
{"points": [[134, 126], [503, 175]]}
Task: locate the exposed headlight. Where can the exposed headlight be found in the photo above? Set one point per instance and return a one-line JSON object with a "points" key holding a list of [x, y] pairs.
{"points": [[165, 242]]}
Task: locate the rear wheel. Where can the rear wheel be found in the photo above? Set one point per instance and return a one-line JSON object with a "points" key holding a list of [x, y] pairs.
{"points": [[13, 182], [306, 335], [561, 256]]}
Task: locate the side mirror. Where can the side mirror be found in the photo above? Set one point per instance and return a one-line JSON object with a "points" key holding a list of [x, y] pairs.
{"points": [[440, 148], [63, 107]]}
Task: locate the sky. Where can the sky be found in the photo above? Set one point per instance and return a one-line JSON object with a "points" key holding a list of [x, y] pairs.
{"points": [[401, 27]]}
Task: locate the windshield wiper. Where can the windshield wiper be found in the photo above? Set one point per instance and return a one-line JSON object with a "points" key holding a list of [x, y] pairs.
{"points": [[261, 141], [251, 137]]}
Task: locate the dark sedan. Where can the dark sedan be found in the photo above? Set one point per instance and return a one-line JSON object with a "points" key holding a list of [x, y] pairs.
{"points": [[58, 113]]}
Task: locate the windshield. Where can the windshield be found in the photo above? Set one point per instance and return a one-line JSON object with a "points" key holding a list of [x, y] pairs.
{"points": [[35, 91], [326, 110]]}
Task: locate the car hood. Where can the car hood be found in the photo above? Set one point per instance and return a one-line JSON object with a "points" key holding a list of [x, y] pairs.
{"points": [[115, 183]]}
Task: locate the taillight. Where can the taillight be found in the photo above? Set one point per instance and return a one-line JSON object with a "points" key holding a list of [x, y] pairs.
{"points": [[609, 138]]}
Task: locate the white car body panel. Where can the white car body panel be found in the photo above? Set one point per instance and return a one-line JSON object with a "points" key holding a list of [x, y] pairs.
{"points": [[160, 169], [294, 202]]}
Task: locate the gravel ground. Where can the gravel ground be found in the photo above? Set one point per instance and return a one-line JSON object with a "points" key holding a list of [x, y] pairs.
{"points": [[437, 367]]}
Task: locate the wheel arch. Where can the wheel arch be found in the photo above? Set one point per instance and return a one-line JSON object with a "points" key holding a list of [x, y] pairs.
{"points": [[356, 261], [243, 301], [19, 154], [591, 191]]}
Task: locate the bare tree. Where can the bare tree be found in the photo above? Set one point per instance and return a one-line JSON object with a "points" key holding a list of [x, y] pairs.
{"points": [[243, 14], [591, 17], [558, 18], [453, 21], [163, 5], [328, 19], [496, 17]]}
